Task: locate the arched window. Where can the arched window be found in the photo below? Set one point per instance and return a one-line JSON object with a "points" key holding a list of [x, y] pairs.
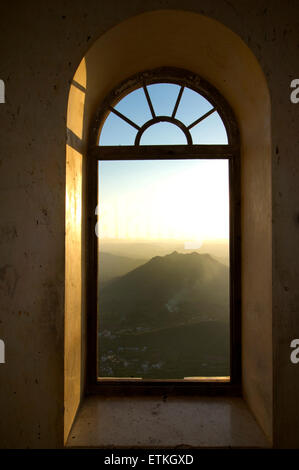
{"points": [[164, 258]]}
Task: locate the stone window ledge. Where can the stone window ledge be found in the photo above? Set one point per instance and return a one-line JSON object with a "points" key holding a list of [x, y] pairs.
{"points": [[154, 422]]}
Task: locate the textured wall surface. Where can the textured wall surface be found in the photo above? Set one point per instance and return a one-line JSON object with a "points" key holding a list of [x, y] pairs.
{"points": [[41, 46]]}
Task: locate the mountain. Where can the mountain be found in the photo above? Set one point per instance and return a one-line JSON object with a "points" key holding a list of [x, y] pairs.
{"points": [[112, 266], [148, 249], [167, 290], [166, 319]]}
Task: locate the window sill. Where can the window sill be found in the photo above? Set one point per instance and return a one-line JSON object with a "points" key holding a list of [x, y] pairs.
{"points": [[156, 422]]}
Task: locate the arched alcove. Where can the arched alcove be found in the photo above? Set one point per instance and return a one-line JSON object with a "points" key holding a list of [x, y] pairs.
{"points": [[209, 49]]}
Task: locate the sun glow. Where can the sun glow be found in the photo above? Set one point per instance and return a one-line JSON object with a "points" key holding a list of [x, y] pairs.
{"points": [[178, 199]]}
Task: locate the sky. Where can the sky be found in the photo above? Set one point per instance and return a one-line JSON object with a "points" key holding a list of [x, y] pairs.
{"points": [[163, 199]]}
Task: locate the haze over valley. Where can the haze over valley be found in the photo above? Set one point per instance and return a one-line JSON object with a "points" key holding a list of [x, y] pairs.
{"points": [[167, 318]]}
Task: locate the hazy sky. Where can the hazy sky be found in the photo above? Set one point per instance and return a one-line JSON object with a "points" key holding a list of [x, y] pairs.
{"points": [[154, 199]]}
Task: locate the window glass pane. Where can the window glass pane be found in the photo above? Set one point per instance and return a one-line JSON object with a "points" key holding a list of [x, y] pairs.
{"points": [[135, 107], [163, 133], [163, 269], [192, 106], [209, 131], [116, 131], [163, 97]]}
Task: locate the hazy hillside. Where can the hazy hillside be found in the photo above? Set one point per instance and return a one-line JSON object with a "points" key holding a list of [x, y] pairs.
{"points": [[112, 266], [167, 290], [147, 249], [168, 318]]}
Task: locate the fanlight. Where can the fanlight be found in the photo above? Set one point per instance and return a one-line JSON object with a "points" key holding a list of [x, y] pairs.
{"points": [[162, 113]]}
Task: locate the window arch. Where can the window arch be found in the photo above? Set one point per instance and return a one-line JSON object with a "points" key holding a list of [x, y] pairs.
{"points": [[106, 145], [184, 90]]}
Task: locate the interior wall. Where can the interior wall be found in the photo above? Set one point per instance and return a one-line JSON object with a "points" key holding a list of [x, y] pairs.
{"points": [[174, 38]]}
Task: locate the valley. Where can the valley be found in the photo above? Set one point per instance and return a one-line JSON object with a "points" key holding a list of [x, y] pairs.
{"points": [[166, 319]]}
